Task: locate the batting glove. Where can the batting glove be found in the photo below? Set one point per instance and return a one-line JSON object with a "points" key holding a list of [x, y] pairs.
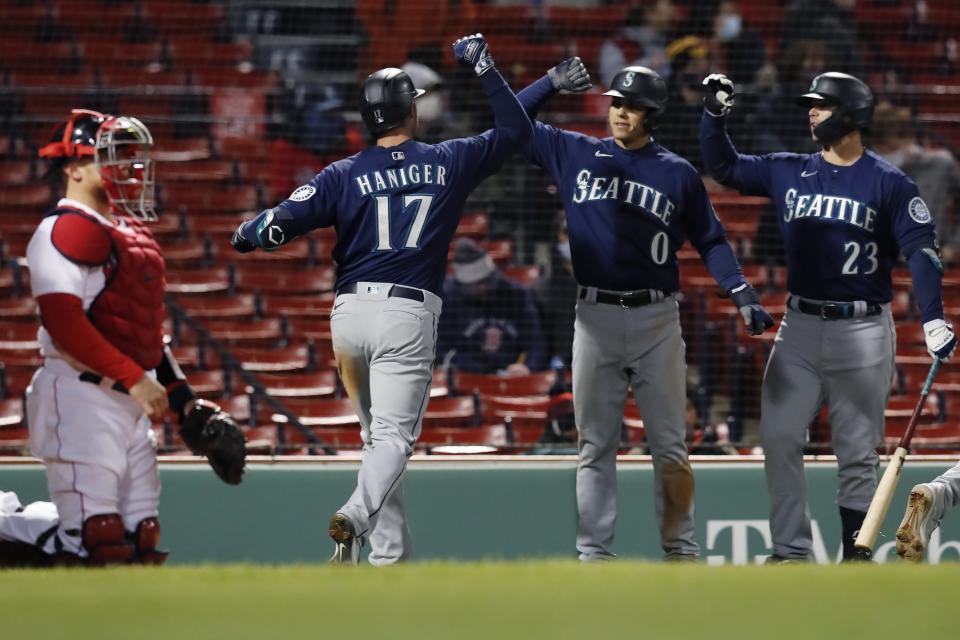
{"points": [[718, 94], [473, 52], [754, 315], [241, 244], [941, 341], [570, 75]]}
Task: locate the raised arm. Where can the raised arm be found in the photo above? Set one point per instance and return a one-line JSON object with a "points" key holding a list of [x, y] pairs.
{"points": [[509, 116], [748, 174], [570, 75]]}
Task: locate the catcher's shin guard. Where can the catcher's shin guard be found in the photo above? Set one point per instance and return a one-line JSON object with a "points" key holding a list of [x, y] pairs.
{"points": [[106, 541], [146, 538]]}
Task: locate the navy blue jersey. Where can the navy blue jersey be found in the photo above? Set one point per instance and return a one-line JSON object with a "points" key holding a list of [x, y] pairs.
{"points": [[628, 212], [842, 227], [395, 209]]}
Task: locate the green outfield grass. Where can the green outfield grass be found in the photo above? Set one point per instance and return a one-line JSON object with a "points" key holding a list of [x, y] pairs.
{"points": [[497, 600]]}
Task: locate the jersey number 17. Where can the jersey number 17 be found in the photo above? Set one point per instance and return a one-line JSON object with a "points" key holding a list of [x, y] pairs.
{"points": [[422, 203]]}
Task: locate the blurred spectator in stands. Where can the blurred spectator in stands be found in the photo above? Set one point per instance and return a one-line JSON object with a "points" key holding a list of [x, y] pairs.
{"points": [[689, 63], [432, 117], [642, 40], [738, 50], [831, 22], [935, 171], [706, 439], [557, 298], [769, 131], [489, 324], [323, 124]]}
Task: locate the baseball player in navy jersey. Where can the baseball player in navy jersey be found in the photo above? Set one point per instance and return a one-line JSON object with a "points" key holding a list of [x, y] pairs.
{"points": [[845, 215], [926, 506], [630, 204], [395, 206], [98, 278]]}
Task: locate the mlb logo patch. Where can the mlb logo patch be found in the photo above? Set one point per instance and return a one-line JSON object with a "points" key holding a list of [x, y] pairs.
{"points": [[398, 155]]}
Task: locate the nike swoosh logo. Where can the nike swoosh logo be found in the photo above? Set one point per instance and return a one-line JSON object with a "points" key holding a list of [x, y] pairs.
{"points": [[804, 174], [603, 155]]}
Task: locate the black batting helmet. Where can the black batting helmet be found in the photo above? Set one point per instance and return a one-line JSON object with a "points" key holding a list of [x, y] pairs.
{"points": [[851, 98], [386, 98], [641, 87]]}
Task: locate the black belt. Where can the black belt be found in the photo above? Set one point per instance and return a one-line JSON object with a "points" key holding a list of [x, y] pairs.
{"points": [[626, 300], [396, 291], [93, 378], [835, 310]]}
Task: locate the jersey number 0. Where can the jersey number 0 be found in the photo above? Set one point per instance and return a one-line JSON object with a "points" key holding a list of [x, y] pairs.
{"points": [[423, 203]]}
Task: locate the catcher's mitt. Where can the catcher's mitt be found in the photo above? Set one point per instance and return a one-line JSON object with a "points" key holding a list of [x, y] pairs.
{"points": [[213, 433]]}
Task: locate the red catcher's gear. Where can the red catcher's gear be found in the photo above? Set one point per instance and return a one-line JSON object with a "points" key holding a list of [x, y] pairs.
{"points": [[129, 311]]}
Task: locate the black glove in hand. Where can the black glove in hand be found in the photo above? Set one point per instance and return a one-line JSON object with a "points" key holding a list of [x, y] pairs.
{"points": [[213, 433], [473, 52], [718, 94], [570, 75], [755, 317], [241, 244]]}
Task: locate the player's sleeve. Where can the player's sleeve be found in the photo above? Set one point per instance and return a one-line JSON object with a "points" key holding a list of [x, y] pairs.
{"points": [[707, 235], [915, 233], [310, 206], [477, 157], [746, 173], [546, 146]]}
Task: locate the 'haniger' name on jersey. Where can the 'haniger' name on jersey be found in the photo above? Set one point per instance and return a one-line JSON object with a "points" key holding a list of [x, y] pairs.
{"points": [[633, 193], [818, 205], [400, 177]]}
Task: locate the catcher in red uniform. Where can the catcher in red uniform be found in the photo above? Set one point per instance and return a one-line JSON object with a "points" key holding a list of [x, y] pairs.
{"points": [[98, 277]]}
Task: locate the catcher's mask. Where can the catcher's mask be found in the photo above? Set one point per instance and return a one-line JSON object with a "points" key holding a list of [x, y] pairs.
{"points": [[120, 147]]}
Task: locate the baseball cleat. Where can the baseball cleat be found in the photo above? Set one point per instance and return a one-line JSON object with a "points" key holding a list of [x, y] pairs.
{"points": [[775, 559], [348, 544], [924, 511]]}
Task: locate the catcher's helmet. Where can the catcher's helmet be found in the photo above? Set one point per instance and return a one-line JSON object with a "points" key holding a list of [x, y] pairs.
{"points": [[386, 98], [75, 137], [851, 98], [641, 87], [120, 147]]}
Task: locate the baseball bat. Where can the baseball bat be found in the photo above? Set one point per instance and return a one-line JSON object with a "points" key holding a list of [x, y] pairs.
{"points": [[891, 476]]}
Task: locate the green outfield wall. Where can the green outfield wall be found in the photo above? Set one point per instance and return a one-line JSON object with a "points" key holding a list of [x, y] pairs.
{"points": [[483, 510]]}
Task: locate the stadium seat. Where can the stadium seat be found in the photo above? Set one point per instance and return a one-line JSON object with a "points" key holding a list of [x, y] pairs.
{"points": [[537, 383], [473, 225], [266, 332], [240, 305], [493, 436], [321, 412], [12, 414], [294, 306], [22, 308], [214, 280], [275, 360], [450, 412], [185, 252], [316, 384], [276, 281]]}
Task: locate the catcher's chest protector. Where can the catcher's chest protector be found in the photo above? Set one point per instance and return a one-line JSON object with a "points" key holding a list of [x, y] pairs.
{"points": [[129, 311]]}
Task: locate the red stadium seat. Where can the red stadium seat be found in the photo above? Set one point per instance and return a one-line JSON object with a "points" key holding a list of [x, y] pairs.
{"points": [[241, 305], [318, 384], [294, 306], [537, 383], [215, 280], [23, 308], [247, 332], [103, 53], [473, 225], [196, 171], [277, 281], [450, 412], [219, 199], [173, 17], [493, 436], [32, 196], [12, 414], [274, 360], [184, 252], [321, 412], [184, 53], [185, 150]]}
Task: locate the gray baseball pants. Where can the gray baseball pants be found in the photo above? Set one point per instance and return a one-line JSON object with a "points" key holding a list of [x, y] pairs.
{"points": [[385, 351], [847, 364], [642, 347]]}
